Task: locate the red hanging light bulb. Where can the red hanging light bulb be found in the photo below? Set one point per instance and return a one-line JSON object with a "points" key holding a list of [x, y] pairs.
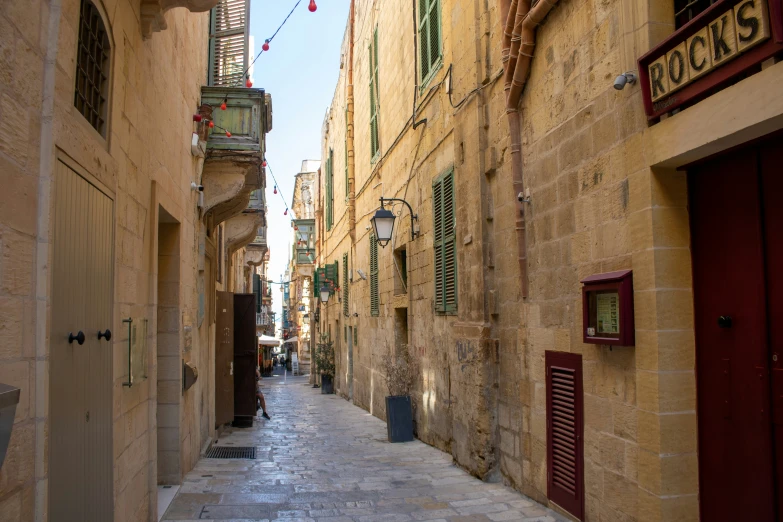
{"points": [[286, 212], [228, 134], [211, 124], [275, 189], [312, 7], [264, 164], [223, 105], [248, 83], [265, 47]]}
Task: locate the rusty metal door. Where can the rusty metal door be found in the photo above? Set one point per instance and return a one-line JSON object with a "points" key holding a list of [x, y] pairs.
{"points": [[224, 359], [80, 388]]}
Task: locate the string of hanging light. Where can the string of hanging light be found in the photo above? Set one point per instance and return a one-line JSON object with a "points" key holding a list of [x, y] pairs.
{"points": [[276, 185]]}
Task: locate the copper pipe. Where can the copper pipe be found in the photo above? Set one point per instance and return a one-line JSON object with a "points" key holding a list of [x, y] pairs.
{"points": [[528, 33]]}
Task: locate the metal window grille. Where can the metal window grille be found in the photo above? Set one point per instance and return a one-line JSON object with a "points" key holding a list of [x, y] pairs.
{"points": [[92, 67]]}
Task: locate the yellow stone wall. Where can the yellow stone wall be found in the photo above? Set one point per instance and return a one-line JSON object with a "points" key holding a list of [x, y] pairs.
{"points": [[605, 195], [146, 162]]}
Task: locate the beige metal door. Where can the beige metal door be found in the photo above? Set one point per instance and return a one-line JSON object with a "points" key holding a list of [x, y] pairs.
{"points": [[224, 359], [80, 397]]}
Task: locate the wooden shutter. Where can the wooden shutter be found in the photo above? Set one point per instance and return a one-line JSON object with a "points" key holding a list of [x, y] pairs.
{"points": [[374, 305], [329, 191], [345, 285], [565, 444], [228, 42], [374, 98], [429, 37], [445, 244], [257, 291]]}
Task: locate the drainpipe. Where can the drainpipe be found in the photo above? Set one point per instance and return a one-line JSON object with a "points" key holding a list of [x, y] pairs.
{"points": [[349, 137], [518, 45]]}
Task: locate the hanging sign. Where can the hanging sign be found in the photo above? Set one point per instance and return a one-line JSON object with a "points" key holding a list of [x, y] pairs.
{"points": [[724, 41]]}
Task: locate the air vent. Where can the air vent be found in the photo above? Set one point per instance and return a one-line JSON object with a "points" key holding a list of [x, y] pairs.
{"points": [[231, 452]]}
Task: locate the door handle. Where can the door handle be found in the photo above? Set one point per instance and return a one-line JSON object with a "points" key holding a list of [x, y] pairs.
{"points": [[79, 338], [106, 335], [724, 321]]}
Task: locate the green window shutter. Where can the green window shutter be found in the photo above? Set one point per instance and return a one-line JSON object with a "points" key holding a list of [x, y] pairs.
{"points": [[257, 291], [355, 335], [374, 98], [329, 192], [445, 244], [429, 38], [345, 285], [374, 305]]}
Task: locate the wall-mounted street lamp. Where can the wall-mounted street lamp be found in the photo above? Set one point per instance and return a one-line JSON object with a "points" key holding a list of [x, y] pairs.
{"points": [[383, 222], [325, 294], [306, 318]]}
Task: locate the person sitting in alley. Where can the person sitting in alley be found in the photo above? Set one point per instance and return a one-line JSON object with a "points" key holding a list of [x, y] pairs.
{"points": [[260, 403]]}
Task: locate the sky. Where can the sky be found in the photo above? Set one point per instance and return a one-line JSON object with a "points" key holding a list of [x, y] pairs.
{"points": [[300, 72]]}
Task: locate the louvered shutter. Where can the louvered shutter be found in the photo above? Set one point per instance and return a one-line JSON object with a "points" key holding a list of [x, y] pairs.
{"points": [[374, 304], [345, 285], [374, 98], [257, 291], [429, 37], [329, 192], [424, 41], [565, 444], [437, 212], [228, 42], [445, 244]]}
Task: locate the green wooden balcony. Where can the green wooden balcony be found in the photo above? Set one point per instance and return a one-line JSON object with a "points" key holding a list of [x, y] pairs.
{"points": [[248, 117]]}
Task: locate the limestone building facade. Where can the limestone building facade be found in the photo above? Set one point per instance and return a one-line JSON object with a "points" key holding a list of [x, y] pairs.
{"points": [[530, 171], [123, 213]]}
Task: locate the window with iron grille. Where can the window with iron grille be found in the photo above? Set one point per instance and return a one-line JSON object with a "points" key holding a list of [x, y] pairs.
{"points": [[687, 10], [445, 243], [228, 42], [374, 98], [429, 39], [91, 96], [329, 191], [374, 304], [345, 284]]}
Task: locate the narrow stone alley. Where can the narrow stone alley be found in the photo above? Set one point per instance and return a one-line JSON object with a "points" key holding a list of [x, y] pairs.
{"points": [[323, 459]]}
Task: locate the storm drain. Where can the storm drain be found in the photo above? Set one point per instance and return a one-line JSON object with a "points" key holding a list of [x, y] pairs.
{"points": [[231, 452]]}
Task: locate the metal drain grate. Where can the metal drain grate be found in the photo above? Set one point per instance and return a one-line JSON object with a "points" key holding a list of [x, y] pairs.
{"points": [[231, 452]]}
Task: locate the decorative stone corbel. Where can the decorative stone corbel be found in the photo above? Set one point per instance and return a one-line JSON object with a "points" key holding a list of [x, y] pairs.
{"points": [[227, 186], [254, 255], [153, 11], [241, 230]]}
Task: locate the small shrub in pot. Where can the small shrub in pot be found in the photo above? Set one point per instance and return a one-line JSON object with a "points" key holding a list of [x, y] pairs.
{"points": [[324, 360], [401, 370]]}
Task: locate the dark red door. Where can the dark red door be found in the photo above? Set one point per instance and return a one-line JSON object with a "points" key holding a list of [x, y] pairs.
{"points": [[771, 155], [733, 356]]}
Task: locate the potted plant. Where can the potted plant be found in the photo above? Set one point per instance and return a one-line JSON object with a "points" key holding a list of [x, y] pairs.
{"points": [[324, 360], [400, 372]]}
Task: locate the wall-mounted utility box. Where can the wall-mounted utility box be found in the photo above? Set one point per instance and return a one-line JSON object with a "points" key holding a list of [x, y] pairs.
{"points": [[607, 309]]}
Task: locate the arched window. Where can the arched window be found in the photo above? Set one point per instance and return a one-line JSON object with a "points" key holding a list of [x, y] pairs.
{"points": [[92, 67]]}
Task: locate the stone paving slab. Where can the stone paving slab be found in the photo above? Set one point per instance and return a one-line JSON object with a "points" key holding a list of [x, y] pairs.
{"points": [[321, 459]]}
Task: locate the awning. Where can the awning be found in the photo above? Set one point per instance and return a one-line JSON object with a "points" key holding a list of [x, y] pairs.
{"points": [[291, 340], [266, 340]]}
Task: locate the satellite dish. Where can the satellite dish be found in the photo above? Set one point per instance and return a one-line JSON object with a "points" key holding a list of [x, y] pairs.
{"points": [[361, 274]]}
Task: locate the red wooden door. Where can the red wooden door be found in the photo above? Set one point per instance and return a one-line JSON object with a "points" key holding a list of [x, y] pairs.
{"points": [[772, 194], [736, 472]]}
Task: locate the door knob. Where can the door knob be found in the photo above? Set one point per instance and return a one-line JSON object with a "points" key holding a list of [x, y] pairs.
{"points": [[106, 335], [724, 321], [79, 337]]}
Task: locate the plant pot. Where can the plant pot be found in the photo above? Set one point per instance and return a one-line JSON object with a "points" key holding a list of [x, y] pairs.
{"points": [[327, 384], [399, 415]]}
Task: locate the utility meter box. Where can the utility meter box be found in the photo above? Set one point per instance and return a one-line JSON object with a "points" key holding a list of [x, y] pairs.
{"points": [[607, 309]]}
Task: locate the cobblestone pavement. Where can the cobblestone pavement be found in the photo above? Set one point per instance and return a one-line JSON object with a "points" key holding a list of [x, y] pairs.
{"points": [[321, 459]]}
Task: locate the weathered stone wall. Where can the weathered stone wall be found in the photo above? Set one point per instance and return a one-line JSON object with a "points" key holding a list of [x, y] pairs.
{"points": [[145, 162]]}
